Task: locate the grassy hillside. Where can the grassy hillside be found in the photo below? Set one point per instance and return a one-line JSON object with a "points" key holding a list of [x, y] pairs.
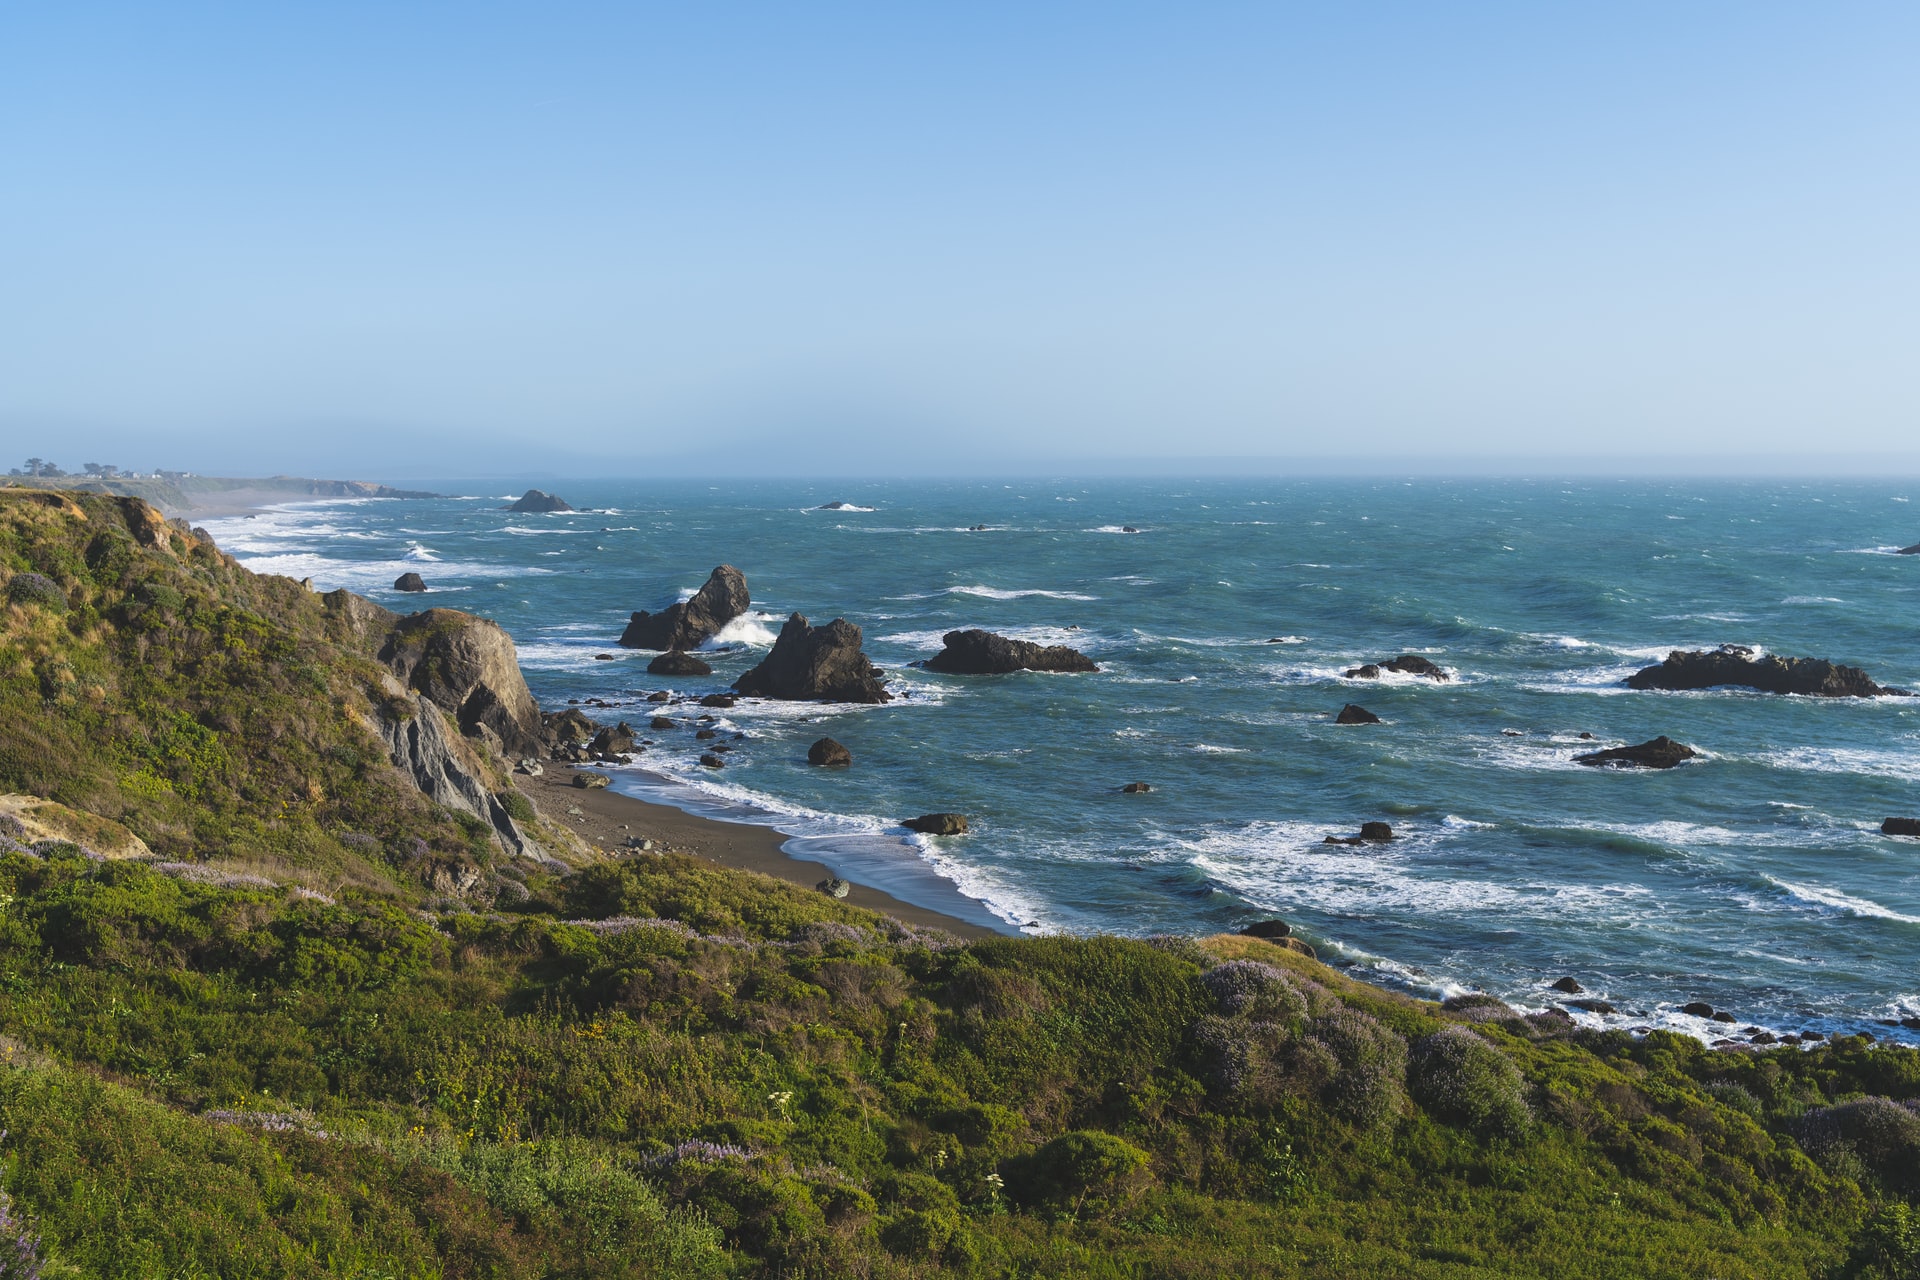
{"points": [[653, 1067]]}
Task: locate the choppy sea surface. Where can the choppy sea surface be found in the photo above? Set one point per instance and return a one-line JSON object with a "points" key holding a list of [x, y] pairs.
{"points": [[1754, 879]]}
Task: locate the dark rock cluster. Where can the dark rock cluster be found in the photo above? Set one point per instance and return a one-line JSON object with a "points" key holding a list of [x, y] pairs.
{"points": [[1734, 664], [982, 653]]}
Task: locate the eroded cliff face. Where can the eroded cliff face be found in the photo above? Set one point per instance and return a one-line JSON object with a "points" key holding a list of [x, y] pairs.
{"points": [[446, 767]]}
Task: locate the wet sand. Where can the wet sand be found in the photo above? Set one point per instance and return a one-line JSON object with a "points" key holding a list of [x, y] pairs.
{"points": [[607, 819]]}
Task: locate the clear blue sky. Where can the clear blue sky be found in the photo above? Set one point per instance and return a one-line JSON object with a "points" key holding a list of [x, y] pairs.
{"points": [[485, 238]]}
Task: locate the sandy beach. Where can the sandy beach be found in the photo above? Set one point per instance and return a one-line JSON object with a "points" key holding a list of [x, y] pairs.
{"points": [[607, 820]]}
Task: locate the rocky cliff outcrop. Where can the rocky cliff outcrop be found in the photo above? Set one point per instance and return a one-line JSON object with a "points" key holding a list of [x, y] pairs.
{"points": [[815, 664], [1733, 664], [467, 666], [982, 653], [443, 766], [538, 502], [691, 623]]}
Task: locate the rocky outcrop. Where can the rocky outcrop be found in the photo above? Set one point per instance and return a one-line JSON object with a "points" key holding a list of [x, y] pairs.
{"points": [[442, 765], [1900, 827], [538, 502], [1734, 664], [409, 582], [588, 780], [1661, 753], [982, 653], [28, 820], [358, 618], [815, 664], [938, 824], [828, 754], [1267, 929], [1136, 789], [466, 666], [691, 623], [1407, 664], [1352, 714], [677, 662], [567, 726], [1570, 986]]}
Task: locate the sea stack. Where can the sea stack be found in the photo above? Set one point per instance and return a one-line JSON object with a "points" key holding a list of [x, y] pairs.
{"points": [[539, 502], [815, 664], [691, 623], [409, 582]]}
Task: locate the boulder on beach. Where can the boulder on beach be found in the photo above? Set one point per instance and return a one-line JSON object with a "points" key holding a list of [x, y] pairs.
{"points": [[539, 501], [678, 662], [1661, 753], [692, 622], [567, 726], [938, 824], [588, 780], [1900, 827], [1736, 664], [409, 582], [834, 887], [1407, 664], [815, 664], [828, 754], [1352, 714], [974, 652], [612, 742]]}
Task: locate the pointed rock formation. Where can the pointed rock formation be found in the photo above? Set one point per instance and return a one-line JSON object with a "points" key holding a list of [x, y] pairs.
{"points": [[691, 623], [538, 502]]}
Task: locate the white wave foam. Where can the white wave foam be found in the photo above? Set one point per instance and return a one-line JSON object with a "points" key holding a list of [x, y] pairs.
{"points": [[1813, 600], [1850, 760], [752, 629], [528, 533], [425, 555], [375, 576], [1114, 528], [1002, 593], [1835, 900], [1207, 748]]}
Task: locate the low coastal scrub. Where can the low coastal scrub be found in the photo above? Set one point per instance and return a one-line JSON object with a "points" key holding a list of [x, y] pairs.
{"points": [[274, 1048]]}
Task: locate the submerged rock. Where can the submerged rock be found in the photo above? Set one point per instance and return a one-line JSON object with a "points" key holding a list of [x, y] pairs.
{"points": [[938, 824], [1352, 714], [678, 662], [693, 622], [1407, 664], [1734, 664], [1661, 753], [828, 754], [1900, 827], [974, 652], [409, 582], [537, 501], [817, 664], [1136, 788], [1370, 833]]}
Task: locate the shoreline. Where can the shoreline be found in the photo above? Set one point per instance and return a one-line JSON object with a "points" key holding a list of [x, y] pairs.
{"points": [[607, 819]]}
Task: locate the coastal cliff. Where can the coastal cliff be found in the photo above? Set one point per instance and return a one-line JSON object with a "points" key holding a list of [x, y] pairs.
{"points": [[334, 1015]]}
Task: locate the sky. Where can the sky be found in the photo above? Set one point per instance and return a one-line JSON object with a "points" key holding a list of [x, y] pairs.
{"points": [[576, 238]]}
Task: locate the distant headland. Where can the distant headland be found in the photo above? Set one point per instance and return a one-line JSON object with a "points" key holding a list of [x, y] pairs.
{"points": [[185, 493]]}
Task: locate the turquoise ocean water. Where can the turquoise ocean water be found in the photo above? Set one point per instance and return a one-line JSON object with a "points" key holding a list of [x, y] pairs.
{"points": [[1754, 879]]}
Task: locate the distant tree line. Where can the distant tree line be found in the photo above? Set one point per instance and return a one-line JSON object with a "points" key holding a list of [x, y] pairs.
{"points": [[40, 467]]}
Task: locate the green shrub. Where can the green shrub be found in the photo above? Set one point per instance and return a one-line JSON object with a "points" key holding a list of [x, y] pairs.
{"points": [[518, 807], [1888, 1248], [1462, 1079], [1085, 1169], [37, 589], [1881, 1135]]}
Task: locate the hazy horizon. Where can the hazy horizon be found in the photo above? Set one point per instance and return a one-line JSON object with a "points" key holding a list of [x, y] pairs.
{"points": [[856, 240]]}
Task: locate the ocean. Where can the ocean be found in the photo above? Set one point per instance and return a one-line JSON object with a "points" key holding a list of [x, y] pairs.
{"points": [[1753, 878]]}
